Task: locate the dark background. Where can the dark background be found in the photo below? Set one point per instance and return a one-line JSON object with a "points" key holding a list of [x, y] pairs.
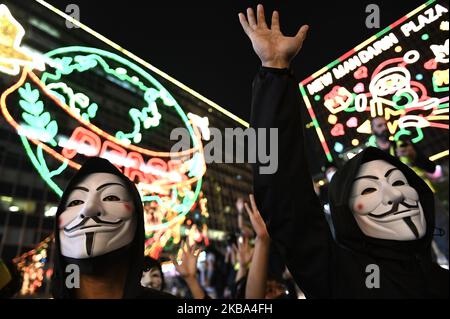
{"points": [[201, 43]]}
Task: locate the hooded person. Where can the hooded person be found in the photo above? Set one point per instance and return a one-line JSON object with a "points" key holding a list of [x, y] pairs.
{"points": [[152, 274], [383, 213], [99, 236]]}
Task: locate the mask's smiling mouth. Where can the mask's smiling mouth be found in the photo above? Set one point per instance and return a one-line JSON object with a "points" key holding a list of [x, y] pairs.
{"points": [[411, 210], [98, 223]]}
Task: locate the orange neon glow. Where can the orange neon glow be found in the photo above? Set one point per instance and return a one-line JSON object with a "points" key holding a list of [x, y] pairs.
{"points": [[99, 131], [94, 140]]}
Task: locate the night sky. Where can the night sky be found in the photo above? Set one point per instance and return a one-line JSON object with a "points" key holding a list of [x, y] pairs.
{"points": [[201, 43]]}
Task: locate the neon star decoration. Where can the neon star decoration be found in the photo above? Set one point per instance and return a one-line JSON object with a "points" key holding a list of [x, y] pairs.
{"points": [[386, 76], [12, 55]]}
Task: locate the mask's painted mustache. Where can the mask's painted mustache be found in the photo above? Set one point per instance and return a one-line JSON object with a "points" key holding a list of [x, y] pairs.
{"points": [[393, 210], [95, 219]]}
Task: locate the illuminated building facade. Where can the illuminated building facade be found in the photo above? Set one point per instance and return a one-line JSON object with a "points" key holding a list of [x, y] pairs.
{"points": [[62, 103]]}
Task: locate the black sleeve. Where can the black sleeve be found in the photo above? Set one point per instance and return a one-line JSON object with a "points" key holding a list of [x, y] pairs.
{"points": [[286, 198]]}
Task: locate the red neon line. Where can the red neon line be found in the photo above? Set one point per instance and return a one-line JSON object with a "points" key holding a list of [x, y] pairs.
{"points": [[422, 88], [325, 146], [308, 79], [383, 64], [346, 55], [414, 108], [396, 23], [439, 125], [311, 113]]}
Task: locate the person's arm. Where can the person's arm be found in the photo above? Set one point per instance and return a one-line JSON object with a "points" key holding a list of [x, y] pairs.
{"points": [[257, 274], [188, 270], [286, 197], [244, 253]]}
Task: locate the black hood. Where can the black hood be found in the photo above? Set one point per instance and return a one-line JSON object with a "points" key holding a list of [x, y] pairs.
{"points": [[133, 253], [350, 236]]}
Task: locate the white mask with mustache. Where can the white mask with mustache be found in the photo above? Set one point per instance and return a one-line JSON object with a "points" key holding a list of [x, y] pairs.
{"points": [[98, 218], [384, 205]]}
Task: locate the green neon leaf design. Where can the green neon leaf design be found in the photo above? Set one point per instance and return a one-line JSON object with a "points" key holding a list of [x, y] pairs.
{"points": [[29, 107], [44, 119], [30, 119], [38, 122], [52, 128]]}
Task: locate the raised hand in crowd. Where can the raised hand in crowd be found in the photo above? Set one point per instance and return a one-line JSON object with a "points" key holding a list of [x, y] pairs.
{"points": [[274, 49], [257, 275], [187, 269]]}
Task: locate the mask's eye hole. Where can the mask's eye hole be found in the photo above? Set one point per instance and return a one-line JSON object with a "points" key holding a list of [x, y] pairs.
{"points": [[75, 202], [398, 183], [368, 191], [111, 198]]}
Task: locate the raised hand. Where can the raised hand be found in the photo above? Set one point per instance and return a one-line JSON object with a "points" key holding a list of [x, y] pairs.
{"points": [[244, 252], [259, 226], [257, 275], [272, 47], [188, 267]]}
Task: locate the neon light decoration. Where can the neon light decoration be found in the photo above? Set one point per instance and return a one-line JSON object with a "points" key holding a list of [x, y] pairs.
{"points": [[60, 126], [12, 55], [401, 73], [31, 264], [139, 60]]}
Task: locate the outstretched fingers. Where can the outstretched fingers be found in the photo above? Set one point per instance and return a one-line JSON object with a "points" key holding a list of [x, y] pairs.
{"points": [[244, 23], [248, 210], [253, 203], [301, 34], [275, 24], [174, 261], [261, 16], [251, 18]]}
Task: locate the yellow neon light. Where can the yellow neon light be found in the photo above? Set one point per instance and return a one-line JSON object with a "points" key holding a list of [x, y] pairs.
{"points": [[438, 118], [441, 77], [12, 55], [363, 44], [441, 111], [322, 70], [142, 62], [423, 6], [438, 155]]}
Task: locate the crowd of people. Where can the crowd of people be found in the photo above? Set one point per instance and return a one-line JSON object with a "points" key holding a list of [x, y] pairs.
{"points": [[380, 213]]}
